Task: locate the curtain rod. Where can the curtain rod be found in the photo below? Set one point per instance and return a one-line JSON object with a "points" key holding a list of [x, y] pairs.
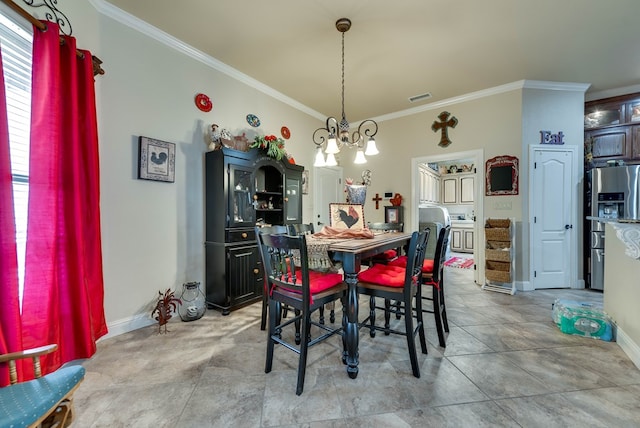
{"points": [[97, 69]]}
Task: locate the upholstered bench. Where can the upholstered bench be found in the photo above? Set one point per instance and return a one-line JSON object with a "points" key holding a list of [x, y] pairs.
{"points": [[46, 400]]}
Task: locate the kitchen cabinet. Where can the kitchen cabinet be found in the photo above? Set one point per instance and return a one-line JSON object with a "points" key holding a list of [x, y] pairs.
{"points": [[242, 188], [429, 186], [610, 143], [458, 188], [462, 237], [612, 129]]}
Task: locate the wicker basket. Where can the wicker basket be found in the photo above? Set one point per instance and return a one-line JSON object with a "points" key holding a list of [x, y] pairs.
{"points": [[498, 222], [497, 234], [498, 245], [498, 255], [498, 271], [498, 276]]}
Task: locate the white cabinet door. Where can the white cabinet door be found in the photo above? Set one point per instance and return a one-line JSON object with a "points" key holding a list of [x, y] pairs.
{"points": [[467, 242], [450, 190], [456, 239], [466, 189]]}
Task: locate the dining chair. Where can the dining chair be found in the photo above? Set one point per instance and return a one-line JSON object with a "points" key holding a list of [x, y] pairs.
{"points": [[432, 276], [308, 229], [403, 284], [389, 255], [292, 283], [44, 401], [265, 292]]}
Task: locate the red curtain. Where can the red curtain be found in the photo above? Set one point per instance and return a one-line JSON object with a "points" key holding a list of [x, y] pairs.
{"points": [[10, 331], [63, 290]]}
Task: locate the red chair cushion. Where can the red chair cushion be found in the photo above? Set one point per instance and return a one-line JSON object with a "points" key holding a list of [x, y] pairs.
{"points": [[318, 281], [387, 255], [427, 266], [390, 276]]}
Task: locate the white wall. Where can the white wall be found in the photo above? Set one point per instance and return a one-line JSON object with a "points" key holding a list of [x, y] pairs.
{"points": [[153, 232]]}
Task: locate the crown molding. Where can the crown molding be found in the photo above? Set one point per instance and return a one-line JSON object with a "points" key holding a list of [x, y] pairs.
{"points": [[513, 86], [109, 10]]}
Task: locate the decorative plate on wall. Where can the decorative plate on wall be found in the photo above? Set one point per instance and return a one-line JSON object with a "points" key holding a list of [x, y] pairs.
{"points": [[203, 102], [286, 134], [253, 120]]}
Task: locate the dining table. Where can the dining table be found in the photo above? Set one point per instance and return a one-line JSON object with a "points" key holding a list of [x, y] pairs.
{"points": [[351, 252]]}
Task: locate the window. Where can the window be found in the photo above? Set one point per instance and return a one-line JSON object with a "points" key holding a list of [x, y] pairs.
{"points": [[16, 57]]}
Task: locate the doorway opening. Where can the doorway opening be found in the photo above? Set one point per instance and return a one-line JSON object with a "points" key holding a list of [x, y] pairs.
{"points": [[465, 207]]}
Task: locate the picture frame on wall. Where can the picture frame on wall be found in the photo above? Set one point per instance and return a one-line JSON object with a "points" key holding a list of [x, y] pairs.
{"points": [[346, 216], [156, 160], [393, 214]]}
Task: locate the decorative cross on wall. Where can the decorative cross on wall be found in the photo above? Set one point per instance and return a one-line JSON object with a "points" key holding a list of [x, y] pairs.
{"points": [[443, 125], [377, 200]]}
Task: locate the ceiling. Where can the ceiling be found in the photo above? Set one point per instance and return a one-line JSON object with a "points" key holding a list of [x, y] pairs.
{"points": [[396, 50]]}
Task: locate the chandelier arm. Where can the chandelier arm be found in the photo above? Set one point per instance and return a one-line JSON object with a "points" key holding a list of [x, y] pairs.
{"points": [[332, 125], [369, 128], [319, 137]]}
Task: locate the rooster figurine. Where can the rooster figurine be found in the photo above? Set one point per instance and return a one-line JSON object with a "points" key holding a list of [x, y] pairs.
{"points": [[396, 201]]}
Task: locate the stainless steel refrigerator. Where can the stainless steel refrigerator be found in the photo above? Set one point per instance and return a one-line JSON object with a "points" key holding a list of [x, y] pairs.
{"points": [[615, 195]]}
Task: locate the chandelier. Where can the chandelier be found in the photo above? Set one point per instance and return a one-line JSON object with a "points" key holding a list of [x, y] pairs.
{"points": [[335, 135]]}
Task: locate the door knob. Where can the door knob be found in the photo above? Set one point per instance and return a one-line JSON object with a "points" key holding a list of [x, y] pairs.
{"points": [[568, 226]]}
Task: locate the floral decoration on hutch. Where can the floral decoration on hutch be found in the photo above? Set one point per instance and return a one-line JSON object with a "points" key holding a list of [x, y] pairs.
{"points": [[272, 145]]}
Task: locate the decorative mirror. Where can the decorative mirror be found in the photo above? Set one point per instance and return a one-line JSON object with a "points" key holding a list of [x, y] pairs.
{"points": [[501, 175]]}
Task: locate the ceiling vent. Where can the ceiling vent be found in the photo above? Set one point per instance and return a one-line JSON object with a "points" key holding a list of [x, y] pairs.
{"points": [[420, 97]]}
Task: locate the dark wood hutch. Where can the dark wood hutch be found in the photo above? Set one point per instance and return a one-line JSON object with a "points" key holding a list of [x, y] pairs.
{"points": [[242, 189], [611, 136]]}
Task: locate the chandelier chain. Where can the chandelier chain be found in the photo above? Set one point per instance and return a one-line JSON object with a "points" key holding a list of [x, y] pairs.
{"points": [[343, 115]]}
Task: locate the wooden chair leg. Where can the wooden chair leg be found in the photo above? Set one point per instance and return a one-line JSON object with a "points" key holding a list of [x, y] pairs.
{"points": [[297, 324], [304, 347], [372, 316], [438, 316], [274, 315], [420, 320], [443, 305], [411, 340], [387, 316], [321, 311], [265, 307], [332, 312]]}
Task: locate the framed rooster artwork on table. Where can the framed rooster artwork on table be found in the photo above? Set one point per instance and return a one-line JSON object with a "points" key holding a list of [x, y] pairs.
{"points": [[346, 216], [157, 160]]}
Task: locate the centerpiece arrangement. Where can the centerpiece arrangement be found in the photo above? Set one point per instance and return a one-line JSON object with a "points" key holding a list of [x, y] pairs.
{"points": [[272, 145]]}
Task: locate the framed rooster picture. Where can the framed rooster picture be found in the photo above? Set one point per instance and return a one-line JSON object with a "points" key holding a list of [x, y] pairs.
{"points": [[346, 216], [156, 160]]}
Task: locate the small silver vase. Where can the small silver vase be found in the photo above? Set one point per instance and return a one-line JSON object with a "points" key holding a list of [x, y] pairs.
{"points": [[357, 193]]}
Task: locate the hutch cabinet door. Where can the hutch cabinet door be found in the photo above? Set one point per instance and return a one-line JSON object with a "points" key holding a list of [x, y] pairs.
{"points": [[241, 210], [293, 199], [244, 273]]}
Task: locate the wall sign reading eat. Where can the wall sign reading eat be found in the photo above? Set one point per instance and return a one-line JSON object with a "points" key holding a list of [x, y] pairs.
{"points": [[546, 137]]}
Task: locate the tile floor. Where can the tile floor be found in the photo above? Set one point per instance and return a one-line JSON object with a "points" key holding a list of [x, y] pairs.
{"points": [[505, 365]]}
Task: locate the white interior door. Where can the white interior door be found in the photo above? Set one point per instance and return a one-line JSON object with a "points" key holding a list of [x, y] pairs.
{"points": [[553, 203], [327, 188]]}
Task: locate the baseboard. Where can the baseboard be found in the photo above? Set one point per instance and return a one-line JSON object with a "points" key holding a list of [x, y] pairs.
{"points": [[126, 325], [629, 347], [524, 286]]}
